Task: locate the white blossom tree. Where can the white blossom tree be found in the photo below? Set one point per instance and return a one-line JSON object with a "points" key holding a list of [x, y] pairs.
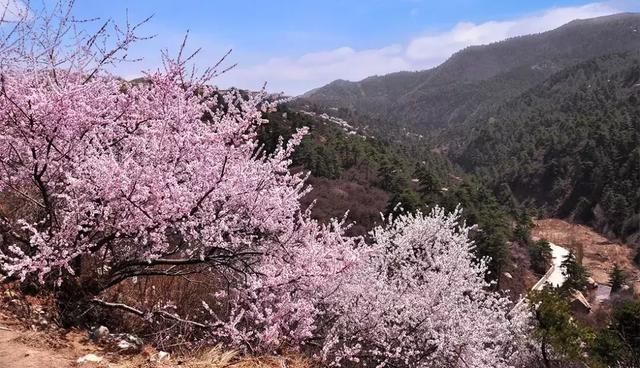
{"points": [[421, 300]]}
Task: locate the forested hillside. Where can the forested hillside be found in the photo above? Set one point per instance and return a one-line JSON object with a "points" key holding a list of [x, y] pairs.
{"points": [[570, 146], [371, 179], [353, 172]]}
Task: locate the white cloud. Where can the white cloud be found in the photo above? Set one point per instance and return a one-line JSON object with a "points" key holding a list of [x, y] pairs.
{"points": [[437, 47], [297, 75]]}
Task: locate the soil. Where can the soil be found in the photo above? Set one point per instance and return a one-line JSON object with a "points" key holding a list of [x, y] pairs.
{"points": [[35, 346], [50, 347], [14, 353], [598, 253]]}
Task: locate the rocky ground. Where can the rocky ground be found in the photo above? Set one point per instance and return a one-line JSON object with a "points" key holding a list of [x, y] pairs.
{"points": [[30, 338], [24, 347]]}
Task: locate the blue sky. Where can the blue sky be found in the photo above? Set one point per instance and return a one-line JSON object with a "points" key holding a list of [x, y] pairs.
{"points": [[298, 45]]}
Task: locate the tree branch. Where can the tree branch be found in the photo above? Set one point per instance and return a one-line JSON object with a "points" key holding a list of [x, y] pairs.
{"points": [[142, 314]]}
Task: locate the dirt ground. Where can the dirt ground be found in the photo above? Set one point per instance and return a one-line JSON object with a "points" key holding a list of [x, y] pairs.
{"points": [[24, 348], [15, 353], [598, 253], [21, 347]]}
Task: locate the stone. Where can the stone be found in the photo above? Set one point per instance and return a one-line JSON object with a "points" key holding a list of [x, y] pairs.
{"points": [[99, 334], [89, 358], [160, 356], [129, 344]]}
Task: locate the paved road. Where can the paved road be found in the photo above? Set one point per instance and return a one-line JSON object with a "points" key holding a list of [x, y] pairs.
{"points": [[553, 276], [558, 256]]}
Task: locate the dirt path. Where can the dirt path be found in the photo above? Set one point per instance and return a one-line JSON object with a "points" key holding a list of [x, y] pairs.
{"points": [[24, 348], [15, 352]]}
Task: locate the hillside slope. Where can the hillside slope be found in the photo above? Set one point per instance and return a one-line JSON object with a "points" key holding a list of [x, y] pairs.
{"points": [[570, 146]]}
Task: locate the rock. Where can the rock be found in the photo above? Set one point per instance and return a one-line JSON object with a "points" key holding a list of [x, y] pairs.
{"points": [[89, 358], [507, 275], [99, 334], [129, 344], [160, 356]]}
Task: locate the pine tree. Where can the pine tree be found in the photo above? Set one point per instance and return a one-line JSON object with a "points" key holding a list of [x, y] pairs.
{"points": [[617, 278], [406, 201], [574, 272], [540, 254], [428, 181], [556, 329]]}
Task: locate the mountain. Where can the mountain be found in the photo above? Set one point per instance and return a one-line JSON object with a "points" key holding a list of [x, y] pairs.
{"points": [[478, 78]]}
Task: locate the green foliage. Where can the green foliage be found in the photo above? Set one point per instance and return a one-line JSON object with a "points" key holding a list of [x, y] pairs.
{"points": [[626, 323], [392, 177], [540, 255], [403, 202], [564, 340], [617, 278], [619, 344], [556, 330], [609, 350], [429, 184], [575, 273]]}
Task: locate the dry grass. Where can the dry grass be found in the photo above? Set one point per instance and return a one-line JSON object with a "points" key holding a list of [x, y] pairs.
{"points": [[275, 362], [219, 358], [212, 358]]}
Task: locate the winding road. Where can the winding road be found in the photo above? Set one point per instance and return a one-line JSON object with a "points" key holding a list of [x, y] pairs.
{"points": [[554, 276]]}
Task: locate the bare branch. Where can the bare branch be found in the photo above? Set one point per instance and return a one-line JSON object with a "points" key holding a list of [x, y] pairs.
{"points": [[142, 314]]}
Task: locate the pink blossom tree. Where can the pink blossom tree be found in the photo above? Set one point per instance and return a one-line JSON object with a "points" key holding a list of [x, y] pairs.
{"points": [[158, 178]]}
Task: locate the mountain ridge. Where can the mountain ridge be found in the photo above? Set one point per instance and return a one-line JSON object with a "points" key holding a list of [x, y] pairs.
{"points": [[415, 99]]}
